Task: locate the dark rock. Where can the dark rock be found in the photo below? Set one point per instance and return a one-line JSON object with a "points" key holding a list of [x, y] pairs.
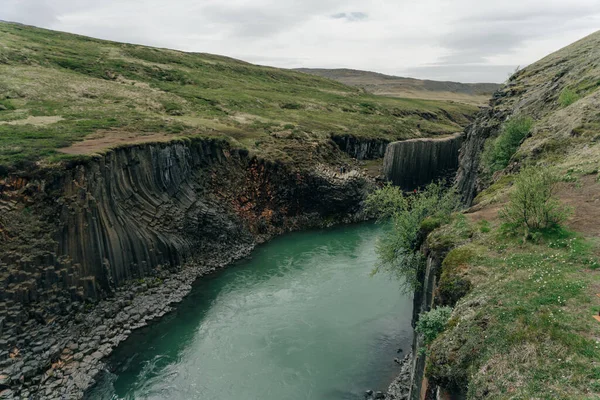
{"points": [[135, 213], [417, 162], [4, 382]]}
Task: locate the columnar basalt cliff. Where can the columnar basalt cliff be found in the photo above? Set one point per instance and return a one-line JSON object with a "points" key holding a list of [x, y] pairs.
{"points": [[361, 148], [413, 163], [423, 302], [79, 234]]}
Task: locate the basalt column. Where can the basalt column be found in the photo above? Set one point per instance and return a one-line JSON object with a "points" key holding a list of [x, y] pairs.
{"points": [[413, 163]]}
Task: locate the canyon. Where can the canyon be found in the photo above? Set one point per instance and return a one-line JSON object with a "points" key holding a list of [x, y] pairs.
{"points": [[107, 223]]}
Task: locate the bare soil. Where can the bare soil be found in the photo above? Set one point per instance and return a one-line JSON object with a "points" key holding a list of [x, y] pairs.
{"points": [[582, 196], [103, 140]]}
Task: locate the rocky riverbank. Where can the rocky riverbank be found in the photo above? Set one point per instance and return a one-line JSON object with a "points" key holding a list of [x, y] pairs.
{"points": [[399, 389], [67, 354]]}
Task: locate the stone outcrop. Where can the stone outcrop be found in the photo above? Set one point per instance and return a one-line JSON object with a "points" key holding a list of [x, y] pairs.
{"points": [[361, 148], [417, 162], [75, 236]]}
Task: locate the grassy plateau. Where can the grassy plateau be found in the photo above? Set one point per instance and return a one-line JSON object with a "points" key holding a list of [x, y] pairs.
{"points": [[63, 95]]}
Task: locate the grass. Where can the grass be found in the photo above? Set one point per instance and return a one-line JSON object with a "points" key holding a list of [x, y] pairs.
{"points": [[522, 325], [96, 85], [524, 329], [567, 97], [499, 151]]}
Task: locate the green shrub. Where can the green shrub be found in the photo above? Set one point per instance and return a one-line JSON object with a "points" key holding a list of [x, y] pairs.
{"points": [[398, 247], [497, 153], [6, 105], [432, 323], [173, 108], [291, 106], [567, 97], [532, 206]]}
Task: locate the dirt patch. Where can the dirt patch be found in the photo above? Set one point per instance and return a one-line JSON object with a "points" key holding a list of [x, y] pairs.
{"points": [[583, 196], [36, 121], [103, 140], [488, 213]]}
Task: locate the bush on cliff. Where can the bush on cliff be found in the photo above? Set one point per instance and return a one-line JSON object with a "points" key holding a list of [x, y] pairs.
{"points": [[432, 323], [498, 152], [533, 206], [398, 248]]}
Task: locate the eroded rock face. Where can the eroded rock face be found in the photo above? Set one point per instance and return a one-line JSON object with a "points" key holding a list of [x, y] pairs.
{"points": [[534, 92], [361, 148], [413, 163], [82, 234], [487, 125]]}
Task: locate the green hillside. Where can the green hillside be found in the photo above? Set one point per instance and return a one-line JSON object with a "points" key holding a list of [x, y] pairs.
{"points": [[59, 89], [526, 326]]}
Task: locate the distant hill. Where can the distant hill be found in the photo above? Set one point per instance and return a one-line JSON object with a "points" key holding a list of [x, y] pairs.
{"points": [[395, 86]]}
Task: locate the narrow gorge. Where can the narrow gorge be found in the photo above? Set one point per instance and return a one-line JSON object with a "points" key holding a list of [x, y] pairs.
{"points": [[119, 228]]}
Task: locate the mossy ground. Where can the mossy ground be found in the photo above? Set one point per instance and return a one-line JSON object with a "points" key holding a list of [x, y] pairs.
{"points": [[525, 330], [90, 86], [523, 326]]}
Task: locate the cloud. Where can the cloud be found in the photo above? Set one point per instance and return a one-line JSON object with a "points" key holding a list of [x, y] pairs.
{"points": [[464, 40], [491, 31], [34, 12], [351, 16]]}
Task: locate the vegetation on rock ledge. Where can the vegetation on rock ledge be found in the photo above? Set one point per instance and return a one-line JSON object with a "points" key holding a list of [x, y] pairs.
{"points": [[411, 215]]}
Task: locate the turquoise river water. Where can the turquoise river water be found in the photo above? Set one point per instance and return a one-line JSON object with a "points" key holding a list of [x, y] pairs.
{"points": [[302, 319]]}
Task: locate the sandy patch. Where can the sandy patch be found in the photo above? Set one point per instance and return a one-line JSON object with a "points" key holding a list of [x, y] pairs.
{"points": [[245, 118], [36, 121], [107, 139]]}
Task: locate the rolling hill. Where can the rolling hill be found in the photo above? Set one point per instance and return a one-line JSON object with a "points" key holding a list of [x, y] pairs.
{"points": [[395, 86]]}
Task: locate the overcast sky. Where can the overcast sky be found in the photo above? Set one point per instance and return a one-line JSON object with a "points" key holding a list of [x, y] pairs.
{"points": [[462, 40]]}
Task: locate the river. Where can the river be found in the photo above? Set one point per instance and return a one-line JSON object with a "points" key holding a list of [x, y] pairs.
{"points": [[302, 319]]}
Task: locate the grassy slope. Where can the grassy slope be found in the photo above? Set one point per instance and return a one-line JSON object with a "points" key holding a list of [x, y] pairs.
{"points": [[395, 86], [526, 331], [88, 86]]}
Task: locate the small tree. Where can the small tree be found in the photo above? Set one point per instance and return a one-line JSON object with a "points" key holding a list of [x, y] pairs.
{"points": [[397, 248], [533, 206]]}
